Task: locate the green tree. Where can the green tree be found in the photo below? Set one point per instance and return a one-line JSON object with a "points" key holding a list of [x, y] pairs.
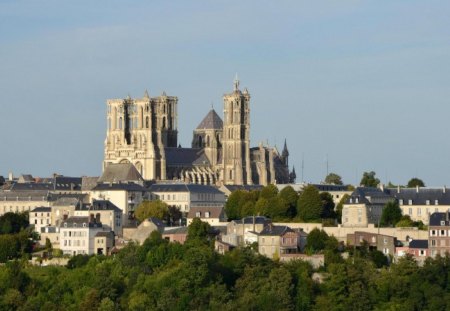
{"points": [[233, 205], [369, 180], [327, 205], [405, 221], [290, 196], [316, 240], [415, 182], [198, 229], [391, 214], [11, 223], [309, 205], [333, 179], [269, 191], [147, 209]]}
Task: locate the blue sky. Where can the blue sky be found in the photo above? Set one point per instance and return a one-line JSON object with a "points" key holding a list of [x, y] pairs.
{"points": [[364, 82]]}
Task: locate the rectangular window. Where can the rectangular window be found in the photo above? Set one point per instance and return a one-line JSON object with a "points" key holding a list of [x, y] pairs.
{"points": [[436, 202], [433, 242], [419, 212], [400, 201], [427, 202], [410, 211], [410, 202]]}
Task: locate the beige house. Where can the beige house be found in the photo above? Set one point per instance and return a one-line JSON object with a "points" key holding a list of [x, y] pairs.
{"points": [[364, 207], [23, 201], [419, 203], [276, 241], [104, 212], [126, 196], [40, 217], [103, 242], [242, 232], [186, 196], [77, 236], [439, 234]]}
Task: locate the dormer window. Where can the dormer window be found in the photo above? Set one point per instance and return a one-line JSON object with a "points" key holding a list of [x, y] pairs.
{"points": [[74, 224], [436, 202], [198, 214], [442, 223], [400, 201], [410, 202], [427, 202], [84, 224], [207, 214], [356, 200], [65, 225]]}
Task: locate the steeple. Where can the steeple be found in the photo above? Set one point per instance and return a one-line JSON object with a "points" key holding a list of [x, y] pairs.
{"points": [[285, 152], [292, 176]]}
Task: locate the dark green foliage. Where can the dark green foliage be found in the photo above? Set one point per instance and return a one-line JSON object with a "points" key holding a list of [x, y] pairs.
{"points": [[165, 276], [369, 179], [391, 214], [309, 205], [327, 205], [334, 179], [415, 182], [290, 197], [11, 223], [78, 261], [14, 245], [317, 240]]}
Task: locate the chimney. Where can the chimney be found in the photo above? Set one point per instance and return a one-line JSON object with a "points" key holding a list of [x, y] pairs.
{"points": [[92, 218], [443, 189], [398, 188], [10, 176], [65, 216], [381, 186], [97, 218], [417, 188]]}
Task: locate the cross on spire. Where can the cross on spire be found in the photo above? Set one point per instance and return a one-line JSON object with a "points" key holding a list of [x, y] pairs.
{"points": [[236, 83]]}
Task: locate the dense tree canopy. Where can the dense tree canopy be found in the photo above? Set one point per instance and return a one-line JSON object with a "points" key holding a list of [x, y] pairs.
{"points": [[11, 223], [369, 180], [333, 179], [415, 182], [147, 209], [310, 205], [391, 214]]}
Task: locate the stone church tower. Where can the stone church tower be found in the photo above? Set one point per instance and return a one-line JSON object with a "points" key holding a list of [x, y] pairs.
{"points": [[236, 137], [138, 130]]}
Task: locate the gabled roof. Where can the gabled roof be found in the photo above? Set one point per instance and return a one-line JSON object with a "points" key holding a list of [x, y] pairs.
{"points": [[182, 156], [120, 172], [251, 219], [99, 205], [369, 195], [275, 230], [418, 244], [214, 212], [420, 196], [42, 209], [181, 187], [440, 219], [119, 187], [211, 121]]}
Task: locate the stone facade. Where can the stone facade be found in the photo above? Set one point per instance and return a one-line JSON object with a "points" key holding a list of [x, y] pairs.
{"points": [[144, 132]]}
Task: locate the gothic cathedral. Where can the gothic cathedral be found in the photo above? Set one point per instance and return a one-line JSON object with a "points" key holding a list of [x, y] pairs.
{"points": [[144, 132]]}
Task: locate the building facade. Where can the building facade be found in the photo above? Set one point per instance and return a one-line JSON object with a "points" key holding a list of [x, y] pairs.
{"points": [[144, 132]]}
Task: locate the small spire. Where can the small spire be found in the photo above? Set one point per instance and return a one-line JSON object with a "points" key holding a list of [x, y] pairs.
{"points": [[236, 83], [146, 94], [285, 152], [212, 105], [128, 96], [164, 93]]}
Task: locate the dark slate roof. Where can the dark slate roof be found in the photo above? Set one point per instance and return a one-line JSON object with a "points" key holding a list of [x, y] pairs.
{"points": [[120, 173], [79, 221], [275, 230], [211, 121], [48, 229], [64, 183], [419, 196], [156, 221], [98, 205], [183, 188], [250, 219], [31, 186], [201, 160], [41, 209], [36, 195], [67, 201], [436, 219], [330, 187], [369, 195], [418, 244], [182, 156], [119, 186], [232, 188]]}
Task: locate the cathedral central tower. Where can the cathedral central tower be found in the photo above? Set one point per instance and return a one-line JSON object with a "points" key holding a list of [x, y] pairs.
{"points": [[236, 137]]}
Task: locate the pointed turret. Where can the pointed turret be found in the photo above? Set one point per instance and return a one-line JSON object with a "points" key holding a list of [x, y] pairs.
{"points": [[292, 176], [146, 96], [285, 152]]}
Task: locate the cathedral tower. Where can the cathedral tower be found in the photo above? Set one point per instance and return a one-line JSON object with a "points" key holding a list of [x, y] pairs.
{"points": [[138, 130], [236, 137]]}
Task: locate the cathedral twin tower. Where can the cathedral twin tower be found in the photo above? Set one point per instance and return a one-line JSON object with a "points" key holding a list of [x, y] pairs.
{"points": [[144, 132]]}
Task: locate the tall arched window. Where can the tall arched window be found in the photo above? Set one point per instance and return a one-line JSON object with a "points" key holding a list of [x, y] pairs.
{"points": [[120, 123], [109, 124], [146, 122], [207, 141], [164, 122]]}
